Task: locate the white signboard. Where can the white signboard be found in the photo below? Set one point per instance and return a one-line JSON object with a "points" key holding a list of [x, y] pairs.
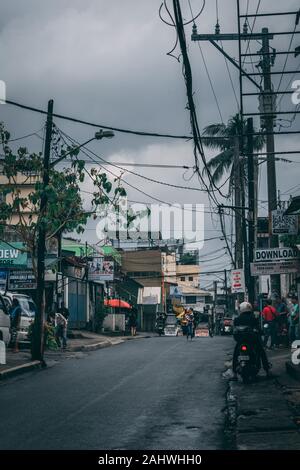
{"points": [[276, 267], [284, 223], [237, 281], [276, 254]]}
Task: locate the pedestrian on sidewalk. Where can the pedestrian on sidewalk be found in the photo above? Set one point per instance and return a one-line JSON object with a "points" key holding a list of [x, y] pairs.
{"points": [[15, 320], [61, 325], [269, 315], [282, 322], [294, 320], [132, 323]]}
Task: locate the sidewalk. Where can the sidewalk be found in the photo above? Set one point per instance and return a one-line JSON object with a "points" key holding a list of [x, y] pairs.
{"points": [[265, 414], [81, 341]]}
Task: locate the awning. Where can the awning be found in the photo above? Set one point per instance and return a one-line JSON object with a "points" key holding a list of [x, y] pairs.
{"points": [[117, 303]]}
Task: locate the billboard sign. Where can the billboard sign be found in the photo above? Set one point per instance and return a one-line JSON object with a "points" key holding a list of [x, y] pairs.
{"points": [[12, 255], [275, 267], [21, 279], [284, 224], [101, 270], [276, 254], [3, 279]]}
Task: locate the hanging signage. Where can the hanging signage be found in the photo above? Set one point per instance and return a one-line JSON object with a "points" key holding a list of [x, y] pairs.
{"points": [[276, 254], [101, 270], [21, 279], [275, 267], [12, 255], [284, 224], [237, 281]]}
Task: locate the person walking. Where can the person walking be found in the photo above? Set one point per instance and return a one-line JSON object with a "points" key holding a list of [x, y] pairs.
{"points": [[269, 315], [294, 320], [61, 324], [132, 323], [15, 320], [189, 317], [282, 323]]}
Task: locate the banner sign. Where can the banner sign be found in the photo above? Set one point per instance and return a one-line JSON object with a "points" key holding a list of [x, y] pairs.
{"points": [[276, 267], [21, 279], [101, 270], [284, 224], [12, 255], [276, 254], [237, 281]]}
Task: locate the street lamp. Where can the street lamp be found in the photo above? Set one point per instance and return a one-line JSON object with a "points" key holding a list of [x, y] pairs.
{"points": [[101, 134]]}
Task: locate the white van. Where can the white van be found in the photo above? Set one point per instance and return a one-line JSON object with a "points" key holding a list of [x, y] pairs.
{"points": [[4, 323], [28, 309]]}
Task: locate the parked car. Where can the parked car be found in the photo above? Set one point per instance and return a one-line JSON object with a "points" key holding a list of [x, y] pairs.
{"points": [[4, 322], [28, 311], [172, 328]]}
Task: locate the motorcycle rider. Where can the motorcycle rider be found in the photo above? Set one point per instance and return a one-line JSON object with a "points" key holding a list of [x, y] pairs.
{"points": [[160, 322], [247, 318]]}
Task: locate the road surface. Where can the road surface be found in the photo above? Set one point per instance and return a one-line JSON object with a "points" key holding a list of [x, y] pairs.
{"points": [[155, 393]]}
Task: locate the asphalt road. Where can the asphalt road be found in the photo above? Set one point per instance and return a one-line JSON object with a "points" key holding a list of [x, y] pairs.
{"points": [[156, 393]]}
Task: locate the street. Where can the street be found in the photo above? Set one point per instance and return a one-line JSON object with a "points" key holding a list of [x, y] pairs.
{"points": [[155, 393]]}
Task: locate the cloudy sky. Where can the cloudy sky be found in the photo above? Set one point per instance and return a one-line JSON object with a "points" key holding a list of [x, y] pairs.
{"points": [[106, 62]]}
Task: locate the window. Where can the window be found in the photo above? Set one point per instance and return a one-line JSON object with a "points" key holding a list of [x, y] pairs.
{"points": [[191, 278], [191, 299], [182, 278]]}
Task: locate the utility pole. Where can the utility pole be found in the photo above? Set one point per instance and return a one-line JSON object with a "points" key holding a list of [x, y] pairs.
{"points": [[237, 202], [38, 328], [215, 296], [226, 287], [268, 106], [251, 204]]}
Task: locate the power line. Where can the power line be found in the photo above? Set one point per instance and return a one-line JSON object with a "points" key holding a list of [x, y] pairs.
{"points": [[92, 124], [252, 28], [287, 56], [125, 182]]}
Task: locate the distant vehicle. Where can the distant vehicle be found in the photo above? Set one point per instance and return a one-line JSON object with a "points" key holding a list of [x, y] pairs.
{"points": [[202, 330], [172, 328], [28, 311], [4, 322], [227, 326]]}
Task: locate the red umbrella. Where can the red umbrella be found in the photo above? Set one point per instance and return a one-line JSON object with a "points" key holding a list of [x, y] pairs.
{"points": [[117, 303]]}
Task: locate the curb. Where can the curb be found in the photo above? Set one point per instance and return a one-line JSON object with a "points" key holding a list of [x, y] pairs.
{"points": [[92, 347], [293, 370], [27, 367]]}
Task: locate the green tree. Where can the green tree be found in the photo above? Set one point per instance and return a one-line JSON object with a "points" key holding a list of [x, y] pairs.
{"points": [[19, 208]]}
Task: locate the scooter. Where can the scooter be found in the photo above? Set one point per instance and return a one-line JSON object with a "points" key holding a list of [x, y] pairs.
{"points": [[248, 362]]}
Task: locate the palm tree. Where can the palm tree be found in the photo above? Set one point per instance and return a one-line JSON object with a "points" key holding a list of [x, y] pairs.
{"points": [[222, 137], [225, 139]]}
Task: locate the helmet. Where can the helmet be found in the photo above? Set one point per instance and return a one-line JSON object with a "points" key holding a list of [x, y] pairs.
{"points": [[245, 307]]}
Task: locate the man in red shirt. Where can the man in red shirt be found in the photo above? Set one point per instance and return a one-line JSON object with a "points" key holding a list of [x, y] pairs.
{"points": [[269, 315]]}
